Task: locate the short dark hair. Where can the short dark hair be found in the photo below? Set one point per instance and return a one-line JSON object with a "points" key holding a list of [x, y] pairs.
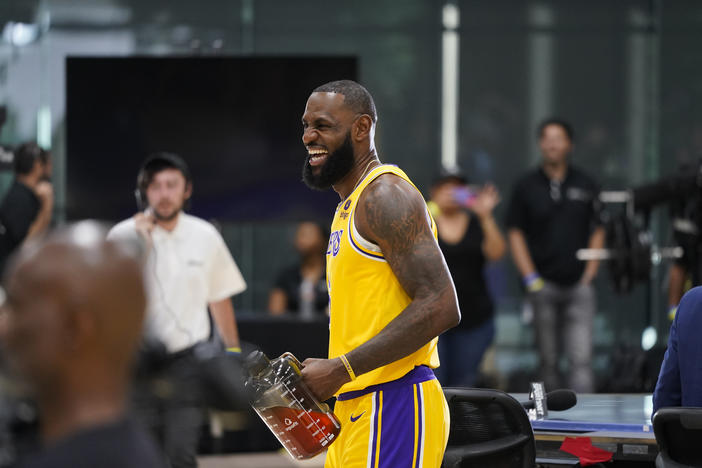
{"points": [[449, 178], [565, 125], [356, 97], [158, 162], [26, 155]]}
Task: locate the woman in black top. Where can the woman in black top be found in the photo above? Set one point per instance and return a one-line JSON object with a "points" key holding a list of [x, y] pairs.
{"points": [[468, 237], [301, 288]]}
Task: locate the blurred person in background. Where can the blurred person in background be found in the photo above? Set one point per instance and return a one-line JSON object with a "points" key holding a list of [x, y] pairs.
{"points": [[680, 380], [69, 329], [686, 217], [301, 288], [26, 210], [555, 211], [191, 276], [468, 237]]}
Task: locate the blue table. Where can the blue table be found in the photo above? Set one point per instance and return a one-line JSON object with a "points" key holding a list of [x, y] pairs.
{"points": [[618, 423]]}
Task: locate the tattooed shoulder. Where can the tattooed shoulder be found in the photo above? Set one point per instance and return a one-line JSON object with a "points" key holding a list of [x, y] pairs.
{"points": [[392, 213]]}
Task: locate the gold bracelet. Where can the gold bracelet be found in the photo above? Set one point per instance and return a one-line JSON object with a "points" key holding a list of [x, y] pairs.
{"points": [[234, 349], [348, 366]]}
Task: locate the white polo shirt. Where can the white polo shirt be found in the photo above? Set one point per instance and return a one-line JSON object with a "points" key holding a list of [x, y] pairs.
{"points": [[187, 268]]}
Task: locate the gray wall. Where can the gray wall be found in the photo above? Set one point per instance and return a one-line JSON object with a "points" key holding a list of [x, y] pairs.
{"points": [[626, 73]]}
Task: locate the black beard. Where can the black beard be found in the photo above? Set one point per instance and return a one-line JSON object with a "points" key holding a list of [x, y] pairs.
{"points": [[335, 168], [170, 217]]}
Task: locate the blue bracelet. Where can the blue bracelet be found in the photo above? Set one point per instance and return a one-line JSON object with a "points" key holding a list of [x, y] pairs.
{"points": [[528, 279], [533, 282]]}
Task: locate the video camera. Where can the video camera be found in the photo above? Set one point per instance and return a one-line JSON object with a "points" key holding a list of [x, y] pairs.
{"points": [[630, 250]]}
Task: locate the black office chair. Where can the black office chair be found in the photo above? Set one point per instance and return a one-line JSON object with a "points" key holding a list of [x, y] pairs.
{"points": [[488, 429], [678, 433]]}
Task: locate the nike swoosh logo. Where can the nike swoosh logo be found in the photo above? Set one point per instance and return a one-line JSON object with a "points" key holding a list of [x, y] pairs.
{"points": [[357, 417]]}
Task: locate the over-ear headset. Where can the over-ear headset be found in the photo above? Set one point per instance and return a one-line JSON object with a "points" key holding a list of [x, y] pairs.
{"points": [[153, 164]]}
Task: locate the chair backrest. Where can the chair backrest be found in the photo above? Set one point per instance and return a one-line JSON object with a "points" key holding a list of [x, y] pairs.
{"points": [[679, 433], [488, 428]]}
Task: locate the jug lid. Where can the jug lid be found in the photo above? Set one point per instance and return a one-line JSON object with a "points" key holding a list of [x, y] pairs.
{"points": [[256, 362]]}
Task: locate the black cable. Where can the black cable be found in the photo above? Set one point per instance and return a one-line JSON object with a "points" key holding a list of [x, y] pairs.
{"points": [[162, 296]]}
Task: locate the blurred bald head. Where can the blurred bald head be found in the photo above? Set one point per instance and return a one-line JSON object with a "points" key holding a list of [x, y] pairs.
{"points": [[75, 306]]}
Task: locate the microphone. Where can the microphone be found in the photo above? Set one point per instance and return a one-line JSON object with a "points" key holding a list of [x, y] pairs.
{"points": [[556, 400]]}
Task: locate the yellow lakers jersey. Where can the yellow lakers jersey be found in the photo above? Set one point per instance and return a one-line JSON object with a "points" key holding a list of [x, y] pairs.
{"points": [[364, 293]]}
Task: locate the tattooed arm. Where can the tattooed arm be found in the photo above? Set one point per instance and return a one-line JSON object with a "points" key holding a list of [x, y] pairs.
{"points": [[392, 214]]}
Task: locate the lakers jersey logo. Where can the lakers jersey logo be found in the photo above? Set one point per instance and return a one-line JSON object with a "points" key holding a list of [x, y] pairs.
{"points": [[345, 213], [334, 242]]}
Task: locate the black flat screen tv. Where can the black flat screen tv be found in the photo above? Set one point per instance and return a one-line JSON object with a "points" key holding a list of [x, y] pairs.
{"points": [[235, 120]]}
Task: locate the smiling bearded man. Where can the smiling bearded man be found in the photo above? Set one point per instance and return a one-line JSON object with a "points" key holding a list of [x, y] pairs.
{"points": [[390, 292]]}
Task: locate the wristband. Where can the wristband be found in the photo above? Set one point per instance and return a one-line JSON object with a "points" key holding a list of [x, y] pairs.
{"points": [[672, 310], [533, 282], [234, 350], [352, 374]]}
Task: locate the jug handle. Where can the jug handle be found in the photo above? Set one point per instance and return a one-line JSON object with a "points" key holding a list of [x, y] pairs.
{"points": [[293, 361]]}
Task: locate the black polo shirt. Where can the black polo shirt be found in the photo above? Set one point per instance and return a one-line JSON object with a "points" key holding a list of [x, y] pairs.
{"points": [[557, 220]]}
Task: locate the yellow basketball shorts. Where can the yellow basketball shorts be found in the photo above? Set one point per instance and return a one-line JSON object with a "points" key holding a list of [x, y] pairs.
{"points": [[399, 424]]}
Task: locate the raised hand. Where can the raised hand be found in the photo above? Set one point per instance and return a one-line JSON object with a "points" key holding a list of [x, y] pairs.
{"points": [[485, 201]]}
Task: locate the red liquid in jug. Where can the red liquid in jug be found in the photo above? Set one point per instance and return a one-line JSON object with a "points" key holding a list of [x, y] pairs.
{"points": [[303, 433]]}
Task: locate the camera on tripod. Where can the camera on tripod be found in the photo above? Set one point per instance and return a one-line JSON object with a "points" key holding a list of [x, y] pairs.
{"points": [[630, 252]]}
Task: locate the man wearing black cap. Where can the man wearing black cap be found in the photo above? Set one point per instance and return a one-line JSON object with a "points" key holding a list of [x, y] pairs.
{"points": [[189, 269]]}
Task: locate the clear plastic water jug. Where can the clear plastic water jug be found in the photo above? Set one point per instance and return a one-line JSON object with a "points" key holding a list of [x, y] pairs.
{"points": [[303, 425]]}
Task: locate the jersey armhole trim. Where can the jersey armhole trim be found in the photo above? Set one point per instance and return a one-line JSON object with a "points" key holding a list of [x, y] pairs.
{"points": [[362, 245]]}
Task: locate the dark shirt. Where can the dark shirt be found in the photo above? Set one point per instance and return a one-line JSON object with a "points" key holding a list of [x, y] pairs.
{"points": [[466, 263], [18, 211], [118, 445], [290, 279], [687, 215], [557, 220], [680, 380]]}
